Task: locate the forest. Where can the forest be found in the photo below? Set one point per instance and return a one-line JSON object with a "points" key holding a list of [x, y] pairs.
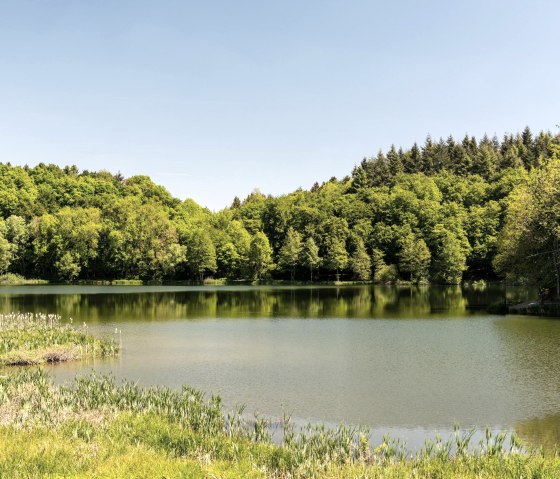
{"points": [[440, 212]]}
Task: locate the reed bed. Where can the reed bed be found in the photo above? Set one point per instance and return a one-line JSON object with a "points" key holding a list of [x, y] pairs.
{"points": [[15, 279], [35, 338], [96, 427]]}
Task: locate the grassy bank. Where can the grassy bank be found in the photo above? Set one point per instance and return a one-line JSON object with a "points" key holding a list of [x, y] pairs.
{"points": [[27, 339], [15, 279], [97, 428]]}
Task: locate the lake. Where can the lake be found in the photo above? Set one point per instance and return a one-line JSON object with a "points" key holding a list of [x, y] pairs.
{"points": [[407, 361]]}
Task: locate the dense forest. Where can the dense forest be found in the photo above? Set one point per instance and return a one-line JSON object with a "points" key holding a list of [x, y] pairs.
{"points": [[442, 212]]}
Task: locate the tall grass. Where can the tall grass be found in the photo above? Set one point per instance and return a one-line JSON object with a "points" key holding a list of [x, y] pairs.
{"points": [[28, 338], [95, 421], [16, 279]]}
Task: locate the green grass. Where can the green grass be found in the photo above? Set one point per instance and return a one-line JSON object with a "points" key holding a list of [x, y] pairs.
{"points": [[215, 281], [16, 279], [27, 339], [108, 282], [127, 282], [97, 428]]}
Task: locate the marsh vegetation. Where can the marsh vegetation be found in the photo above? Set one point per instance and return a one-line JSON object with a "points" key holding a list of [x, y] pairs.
{"points": [[35, 338], [93, 427]]}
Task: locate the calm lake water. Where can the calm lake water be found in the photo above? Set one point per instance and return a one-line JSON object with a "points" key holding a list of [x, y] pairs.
{"points": [[408, 361]]}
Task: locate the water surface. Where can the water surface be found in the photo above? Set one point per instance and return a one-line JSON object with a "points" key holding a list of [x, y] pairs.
{"points": [[403, 360]]}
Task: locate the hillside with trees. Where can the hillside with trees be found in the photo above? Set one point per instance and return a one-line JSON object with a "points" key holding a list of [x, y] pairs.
{"points": [[442, 211]]}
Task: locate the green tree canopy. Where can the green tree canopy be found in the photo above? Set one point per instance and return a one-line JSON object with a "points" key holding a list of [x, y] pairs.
{"points": [[310, 256], [360, 262], [289, 255], [529, 243], [141, 240], [201, 253], [414, 257], [260, 255]]}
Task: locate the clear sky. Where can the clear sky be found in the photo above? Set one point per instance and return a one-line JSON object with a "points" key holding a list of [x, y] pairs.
{"points": [[215, 98]]}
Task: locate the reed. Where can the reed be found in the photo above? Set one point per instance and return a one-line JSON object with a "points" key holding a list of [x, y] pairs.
{"points": [[35, 338], [96, 427], [16, 279]]}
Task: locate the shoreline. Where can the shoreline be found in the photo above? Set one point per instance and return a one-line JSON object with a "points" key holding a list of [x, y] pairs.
{"points": [[160, 432], [536, 308]]}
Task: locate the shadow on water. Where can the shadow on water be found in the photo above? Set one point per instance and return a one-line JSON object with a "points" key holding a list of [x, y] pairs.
{"points": [[541, 432], [113, 303]]}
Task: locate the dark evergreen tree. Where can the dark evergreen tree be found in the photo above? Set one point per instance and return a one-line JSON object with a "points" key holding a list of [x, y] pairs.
{"points": [[394, 161]]}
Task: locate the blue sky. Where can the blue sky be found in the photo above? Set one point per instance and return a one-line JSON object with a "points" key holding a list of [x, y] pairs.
{"points": [[215, 98]]}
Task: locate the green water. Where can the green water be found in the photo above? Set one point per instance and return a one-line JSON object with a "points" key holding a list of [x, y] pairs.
{"points": [[408, 361]]}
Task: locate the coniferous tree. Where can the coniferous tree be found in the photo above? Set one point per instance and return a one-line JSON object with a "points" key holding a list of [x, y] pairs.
{"points": [[236, 203], [412, 159], [61, 223], [429, 157], [441, 156], [394, 161], [378, 171], [360, 178], [529, 156]]}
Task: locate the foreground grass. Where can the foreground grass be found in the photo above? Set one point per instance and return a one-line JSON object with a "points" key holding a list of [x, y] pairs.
{"points": [[27, 339], [96, 428]]}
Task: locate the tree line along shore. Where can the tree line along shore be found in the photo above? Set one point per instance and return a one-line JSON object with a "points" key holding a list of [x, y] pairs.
{"points": [[440, 212]]}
